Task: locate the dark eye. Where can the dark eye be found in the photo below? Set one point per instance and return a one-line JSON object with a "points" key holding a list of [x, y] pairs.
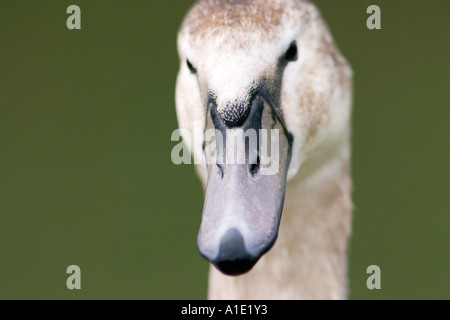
{"points": [[291, 53], [191, 67]]}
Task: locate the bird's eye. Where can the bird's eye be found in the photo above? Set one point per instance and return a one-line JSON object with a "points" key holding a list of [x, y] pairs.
{"points": [[191, 68], [291, 53]]}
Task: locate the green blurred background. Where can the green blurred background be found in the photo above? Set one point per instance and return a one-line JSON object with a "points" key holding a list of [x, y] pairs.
{"points": [[85, 172]]}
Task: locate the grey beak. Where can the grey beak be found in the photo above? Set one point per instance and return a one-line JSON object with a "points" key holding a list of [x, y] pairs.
{"points": [[244, 199]]}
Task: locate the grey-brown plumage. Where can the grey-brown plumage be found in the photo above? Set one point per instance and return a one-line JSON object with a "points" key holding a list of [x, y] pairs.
{"points": [[239, 50]]}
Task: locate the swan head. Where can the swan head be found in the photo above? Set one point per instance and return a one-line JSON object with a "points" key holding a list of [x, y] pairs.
{"points": [[260, 85]]}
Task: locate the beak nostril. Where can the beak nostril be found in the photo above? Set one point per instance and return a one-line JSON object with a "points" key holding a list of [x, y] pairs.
{"points": [[254, 167], [221, 169]]}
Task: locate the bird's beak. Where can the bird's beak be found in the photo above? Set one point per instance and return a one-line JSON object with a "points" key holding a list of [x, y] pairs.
{"points": [[247, 170]]}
